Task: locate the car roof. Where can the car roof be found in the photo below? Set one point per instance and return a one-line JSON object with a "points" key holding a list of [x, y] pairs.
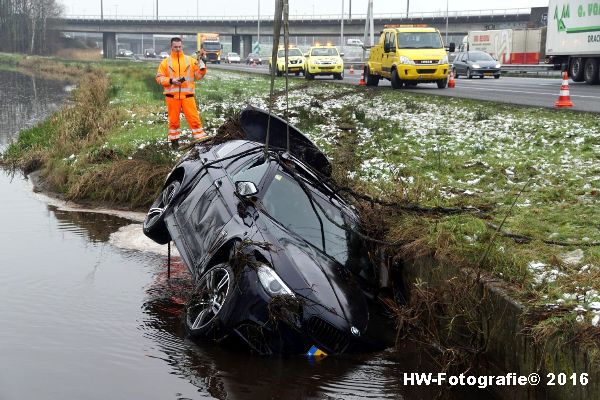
{"points": [[416, 29]]}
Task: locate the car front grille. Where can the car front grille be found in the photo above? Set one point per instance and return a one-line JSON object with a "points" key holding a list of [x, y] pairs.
{"points": [[425, 71], [327, 335], [429, 62]]}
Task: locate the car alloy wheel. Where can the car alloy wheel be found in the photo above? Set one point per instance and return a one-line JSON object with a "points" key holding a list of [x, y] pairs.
{"points": [[212, 292], [154, 224]]}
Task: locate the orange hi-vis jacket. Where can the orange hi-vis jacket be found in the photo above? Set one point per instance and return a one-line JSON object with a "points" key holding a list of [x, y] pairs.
{"points": [[176, 66]]}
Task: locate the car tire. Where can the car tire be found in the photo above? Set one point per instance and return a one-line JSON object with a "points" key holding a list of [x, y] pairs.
{"points": [[154, 224], [372, 80], [576, 69], [308, 75], [339, 77], [497, 76], [279, 73], [396, 82], [442, 83], [469, 76], [590, 72], [209, 302]]}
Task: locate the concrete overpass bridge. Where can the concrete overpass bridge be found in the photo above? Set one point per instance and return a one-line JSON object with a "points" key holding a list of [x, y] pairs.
{"points": [[243, 29]]}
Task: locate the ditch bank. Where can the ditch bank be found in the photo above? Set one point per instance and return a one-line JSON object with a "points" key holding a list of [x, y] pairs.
{"points": [[479, 318]]}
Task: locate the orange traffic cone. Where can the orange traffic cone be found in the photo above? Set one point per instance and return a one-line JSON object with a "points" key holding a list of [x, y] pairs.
{"points": [[362, 79], [451, 82], [564, 99], [351, 70]]}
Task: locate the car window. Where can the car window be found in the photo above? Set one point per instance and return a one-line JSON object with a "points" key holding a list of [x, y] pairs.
{"points": [[286, 202], [324, 52], [479, 56], [251, 171], [291, 53]]}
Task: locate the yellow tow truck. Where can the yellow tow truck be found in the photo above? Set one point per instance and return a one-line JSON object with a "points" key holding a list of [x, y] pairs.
{"points": [[295, 61], [324, 60], [407, 55]]}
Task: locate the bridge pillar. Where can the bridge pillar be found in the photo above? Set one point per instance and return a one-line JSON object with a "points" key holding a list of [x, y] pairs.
{"points": [[247, 45], [109, 44], [235, 43]]}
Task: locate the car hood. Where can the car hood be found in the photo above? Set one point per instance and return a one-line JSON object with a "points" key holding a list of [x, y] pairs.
{"points": [[423, 54], [327, 288], [325, 58], [485, 63]]}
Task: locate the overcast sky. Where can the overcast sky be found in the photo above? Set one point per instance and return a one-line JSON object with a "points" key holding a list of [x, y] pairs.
{"points": [[250, 7]]}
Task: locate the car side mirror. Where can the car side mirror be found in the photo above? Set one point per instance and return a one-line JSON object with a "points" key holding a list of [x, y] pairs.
{"points": [[245, 188], [452, 47], [341, 54]]}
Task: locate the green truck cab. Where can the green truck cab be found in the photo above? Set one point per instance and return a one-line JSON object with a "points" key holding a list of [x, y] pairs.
{"points": [[408, 55]]}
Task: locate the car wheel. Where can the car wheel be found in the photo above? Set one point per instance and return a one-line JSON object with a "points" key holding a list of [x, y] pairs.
{"points": [[308, 75], [442, 83], [339, 77], [396, 82], [372, 80], [576, 69], [591, 71], [469, 76], [206, 305], [297, 73], [497, 76], [154, 223]]}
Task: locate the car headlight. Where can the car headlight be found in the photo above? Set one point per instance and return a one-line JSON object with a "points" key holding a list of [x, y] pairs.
{"points": [[443, 60], [498, 65], [476, 66], [272, 283], [406, 60]]}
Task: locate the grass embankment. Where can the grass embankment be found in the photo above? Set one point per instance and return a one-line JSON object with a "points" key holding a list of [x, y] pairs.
{"points": [[533, 172]]}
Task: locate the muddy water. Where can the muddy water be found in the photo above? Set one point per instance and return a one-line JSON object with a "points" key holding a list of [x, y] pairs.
{"points": [[87, 312]]}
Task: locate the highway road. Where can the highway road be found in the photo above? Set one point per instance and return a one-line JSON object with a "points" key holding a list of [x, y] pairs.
{"points": [[542, 92]]}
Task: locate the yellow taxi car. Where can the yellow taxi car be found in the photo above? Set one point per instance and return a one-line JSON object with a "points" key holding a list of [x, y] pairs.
{"points": [[295, 61], [324, 60]]}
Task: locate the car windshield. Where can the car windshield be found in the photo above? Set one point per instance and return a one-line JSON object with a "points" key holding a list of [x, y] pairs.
{"points": [[212, 46], [291, 53], [233, 55], [479, 56], [419, 40], [323, 52], [286, 202], [252, 55]]}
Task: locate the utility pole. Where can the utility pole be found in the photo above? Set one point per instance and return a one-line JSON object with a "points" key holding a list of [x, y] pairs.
{"points": [[101, 10], [157, 9], [258, 30], [350, 11], [342, 30], [446, 40], [407, 7], [369, 26]]}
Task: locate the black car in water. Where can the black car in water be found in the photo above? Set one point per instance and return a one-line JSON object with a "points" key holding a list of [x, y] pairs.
{"points": [[276, 254], [476, 63]]}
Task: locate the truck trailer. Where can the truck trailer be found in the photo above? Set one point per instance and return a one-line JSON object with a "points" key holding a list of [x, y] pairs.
{"points": [[573, 38], [509, 46]]}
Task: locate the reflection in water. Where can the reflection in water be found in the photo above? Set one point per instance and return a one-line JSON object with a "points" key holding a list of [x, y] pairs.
{"points": [[25, 101]]}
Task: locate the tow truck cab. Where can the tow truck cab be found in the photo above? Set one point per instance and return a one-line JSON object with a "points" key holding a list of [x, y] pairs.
{"points": [[408, 55]]}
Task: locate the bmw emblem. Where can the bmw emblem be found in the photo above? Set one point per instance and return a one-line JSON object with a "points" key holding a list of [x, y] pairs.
{"points": [[354, 330]]}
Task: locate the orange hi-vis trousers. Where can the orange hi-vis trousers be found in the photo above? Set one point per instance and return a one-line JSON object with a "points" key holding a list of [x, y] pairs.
{"points": [[188, 105]]}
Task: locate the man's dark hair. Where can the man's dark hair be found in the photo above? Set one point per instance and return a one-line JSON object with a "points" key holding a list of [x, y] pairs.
{"points": [[175, 39]]}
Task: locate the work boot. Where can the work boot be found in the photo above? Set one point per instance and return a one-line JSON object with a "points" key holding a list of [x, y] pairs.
{"points": [[175, 144]]}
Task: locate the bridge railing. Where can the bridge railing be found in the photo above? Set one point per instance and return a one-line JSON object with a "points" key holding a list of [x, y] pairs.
{"points": [[310, 17]]}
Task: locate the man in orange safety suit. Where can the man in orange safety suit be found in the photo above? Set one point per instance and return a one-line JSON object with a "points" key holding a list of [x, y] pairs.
{"points": [[177, 74]]}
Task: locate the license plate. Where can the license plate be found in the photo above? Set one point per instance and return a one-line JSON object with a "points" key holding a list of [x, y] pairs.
{"points": [[488, 74]]}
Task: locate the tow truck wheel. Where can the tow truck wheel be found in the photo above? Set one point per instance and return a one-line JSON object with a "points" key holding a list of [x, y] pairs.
{"points": [[339, 77], [441, 83], [308, 75], [372, 80], [396, 82]]}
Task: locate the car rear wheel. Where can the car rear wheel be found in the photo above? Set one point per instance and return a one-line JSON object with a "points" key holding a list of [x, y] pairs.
{"points": [[590, 73], [469, 76], [396, 82], [211, 295], [154, 223], [441, 83], [372, 80], [576, 69]]}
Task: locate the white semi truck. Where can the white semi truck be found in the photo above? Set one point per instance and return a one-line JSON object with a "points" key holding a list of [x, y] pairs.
{"points": [[573, 38]]}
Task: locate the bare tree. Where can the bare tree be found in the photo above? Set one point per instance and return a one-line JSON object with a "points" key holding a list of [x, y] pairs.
{"points": [[24, 25]]}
